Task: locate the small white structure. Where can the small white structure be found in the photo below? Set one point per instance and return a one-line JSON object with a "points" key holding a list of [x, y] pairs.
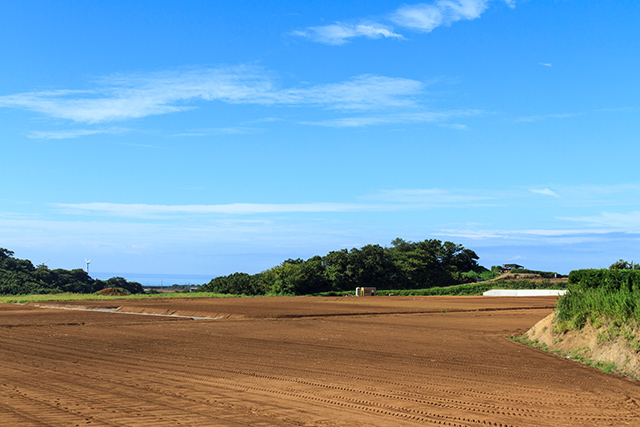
{"points": [[524, 292], [365, 292]]}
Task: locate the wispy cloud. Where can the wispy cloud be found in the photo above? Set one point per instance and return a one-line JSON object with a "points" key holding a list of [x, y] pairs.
{"points": [[545, 192], [68, 134], [384, 200], [538, 118], [125, 97], [435, 197], [398, 199], [426, 17], [339, 33], [501, 236], [151, 211], [396, 118], [623, 195], [545, 64], [420, 17], [629, 222], [220, 131]]}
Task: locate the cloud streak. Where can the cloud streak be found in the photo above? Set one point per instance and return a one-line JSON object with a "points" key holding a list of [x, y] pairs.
{"points": [[339, 33], [151, 211], [126, 97], [420, 17], [539, 118], [546, 192], [385, 200], [73, 133], [397, 118], [425, 17], [612, 220], [435, 197]]}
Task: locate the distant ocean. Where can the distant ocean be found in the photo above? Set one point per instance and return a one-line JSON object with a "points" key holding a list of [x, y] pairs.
{"points": [[158, 279]]}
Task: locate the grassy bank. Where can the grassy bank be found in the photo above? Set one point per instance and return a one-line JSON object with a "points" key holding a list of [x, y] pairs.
{"points": [[598, 297], [597, 322]]}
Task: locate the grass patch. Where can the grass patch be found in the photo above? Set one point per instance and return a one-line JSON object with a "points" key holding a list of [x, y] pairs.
{"points": [[22, 299], [467, 289]]}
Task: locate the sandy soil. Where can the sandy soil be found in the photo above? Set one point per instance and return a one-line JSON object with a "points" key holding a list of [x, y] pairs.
{"points": [[298, 361]]}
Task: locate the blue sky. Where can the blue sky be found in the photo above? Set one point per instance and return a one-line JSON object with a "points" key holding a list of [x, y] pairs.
{"points": [[209, 137]]}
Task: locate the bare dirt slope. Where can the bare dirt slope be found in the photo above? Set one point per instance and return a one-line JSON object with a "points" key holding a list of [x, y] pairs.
{"points": [[281, 362], [596, 344]]}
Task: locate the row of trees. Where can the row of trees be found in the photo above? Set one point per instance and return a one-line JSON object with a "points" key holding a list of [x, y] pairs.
{"points": [[403, 265], [20, 276]]}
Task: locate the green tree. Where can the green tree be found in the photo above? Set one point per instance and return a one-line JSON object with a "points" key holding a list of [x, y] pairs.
{"points": [[237, 284], [624, 265]]}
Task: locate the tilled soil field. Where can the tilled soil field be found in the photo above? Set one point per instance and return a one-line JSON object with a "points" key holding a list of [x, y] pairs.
{"points": [[297, 361]]}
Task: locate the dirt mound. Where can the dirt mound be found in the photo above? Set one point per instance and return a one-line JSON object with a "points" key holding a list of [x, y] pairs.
{"points": [[610, 346], [113, 292]]}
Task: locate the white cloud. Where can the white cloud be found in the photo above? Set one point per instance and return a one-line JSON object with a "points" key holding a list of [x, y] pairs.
{"points": [[456, 126], [220, 131], [365, 92], [545, 64], [125, 97], [72, 133], [426, 17], [538, 118], [395, 118], [421, 17], [471, 234], [151, 211], [384, 200], [625, 195], [546, 192], [434, 197], [339, 33], [611, 220], [501, 236]]}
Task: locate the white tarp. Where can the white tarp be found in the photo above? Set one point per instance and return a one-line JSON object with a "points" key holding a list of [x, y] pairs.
{"points": [[523, 292]]}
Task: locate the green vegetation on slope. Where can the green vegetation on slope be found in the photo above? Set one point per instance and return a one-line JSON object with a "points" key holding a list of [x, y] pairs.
{"points": [[599, 296]]}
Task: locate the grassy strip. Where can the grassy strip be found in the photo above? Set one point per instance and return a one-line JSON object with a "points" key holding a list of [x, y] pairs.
{"points": [[468, 289], [20, 299], [577, 355]]}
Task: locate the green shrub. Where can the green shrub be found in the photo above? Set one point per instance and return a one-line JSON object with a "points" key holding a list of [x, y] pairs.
{"points": [[594, 295]]}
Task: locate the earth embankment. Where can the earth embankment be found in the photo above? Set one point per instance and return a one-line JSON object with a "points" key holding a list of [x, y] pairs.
{"points": [[605, 345]]}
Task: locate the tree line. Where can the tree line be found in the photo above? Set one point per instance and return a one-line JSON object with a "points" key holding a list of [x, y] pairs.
{"points": [[403, 265], [21, 277]]}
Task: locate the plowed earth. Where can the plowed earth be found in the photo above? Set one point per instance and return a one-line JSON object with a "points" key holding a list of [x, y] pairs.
{"points": [[297, 361]]}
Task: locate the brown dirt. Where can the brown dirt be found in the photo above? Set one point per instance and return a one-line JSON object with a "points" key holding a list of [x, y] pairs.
{"points": [[112, 292], [298, 361]]}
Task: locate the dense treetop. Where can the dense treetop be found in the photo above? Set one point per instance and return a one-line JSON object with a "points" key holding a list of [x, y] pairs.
{"points": [[403, 265]]}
